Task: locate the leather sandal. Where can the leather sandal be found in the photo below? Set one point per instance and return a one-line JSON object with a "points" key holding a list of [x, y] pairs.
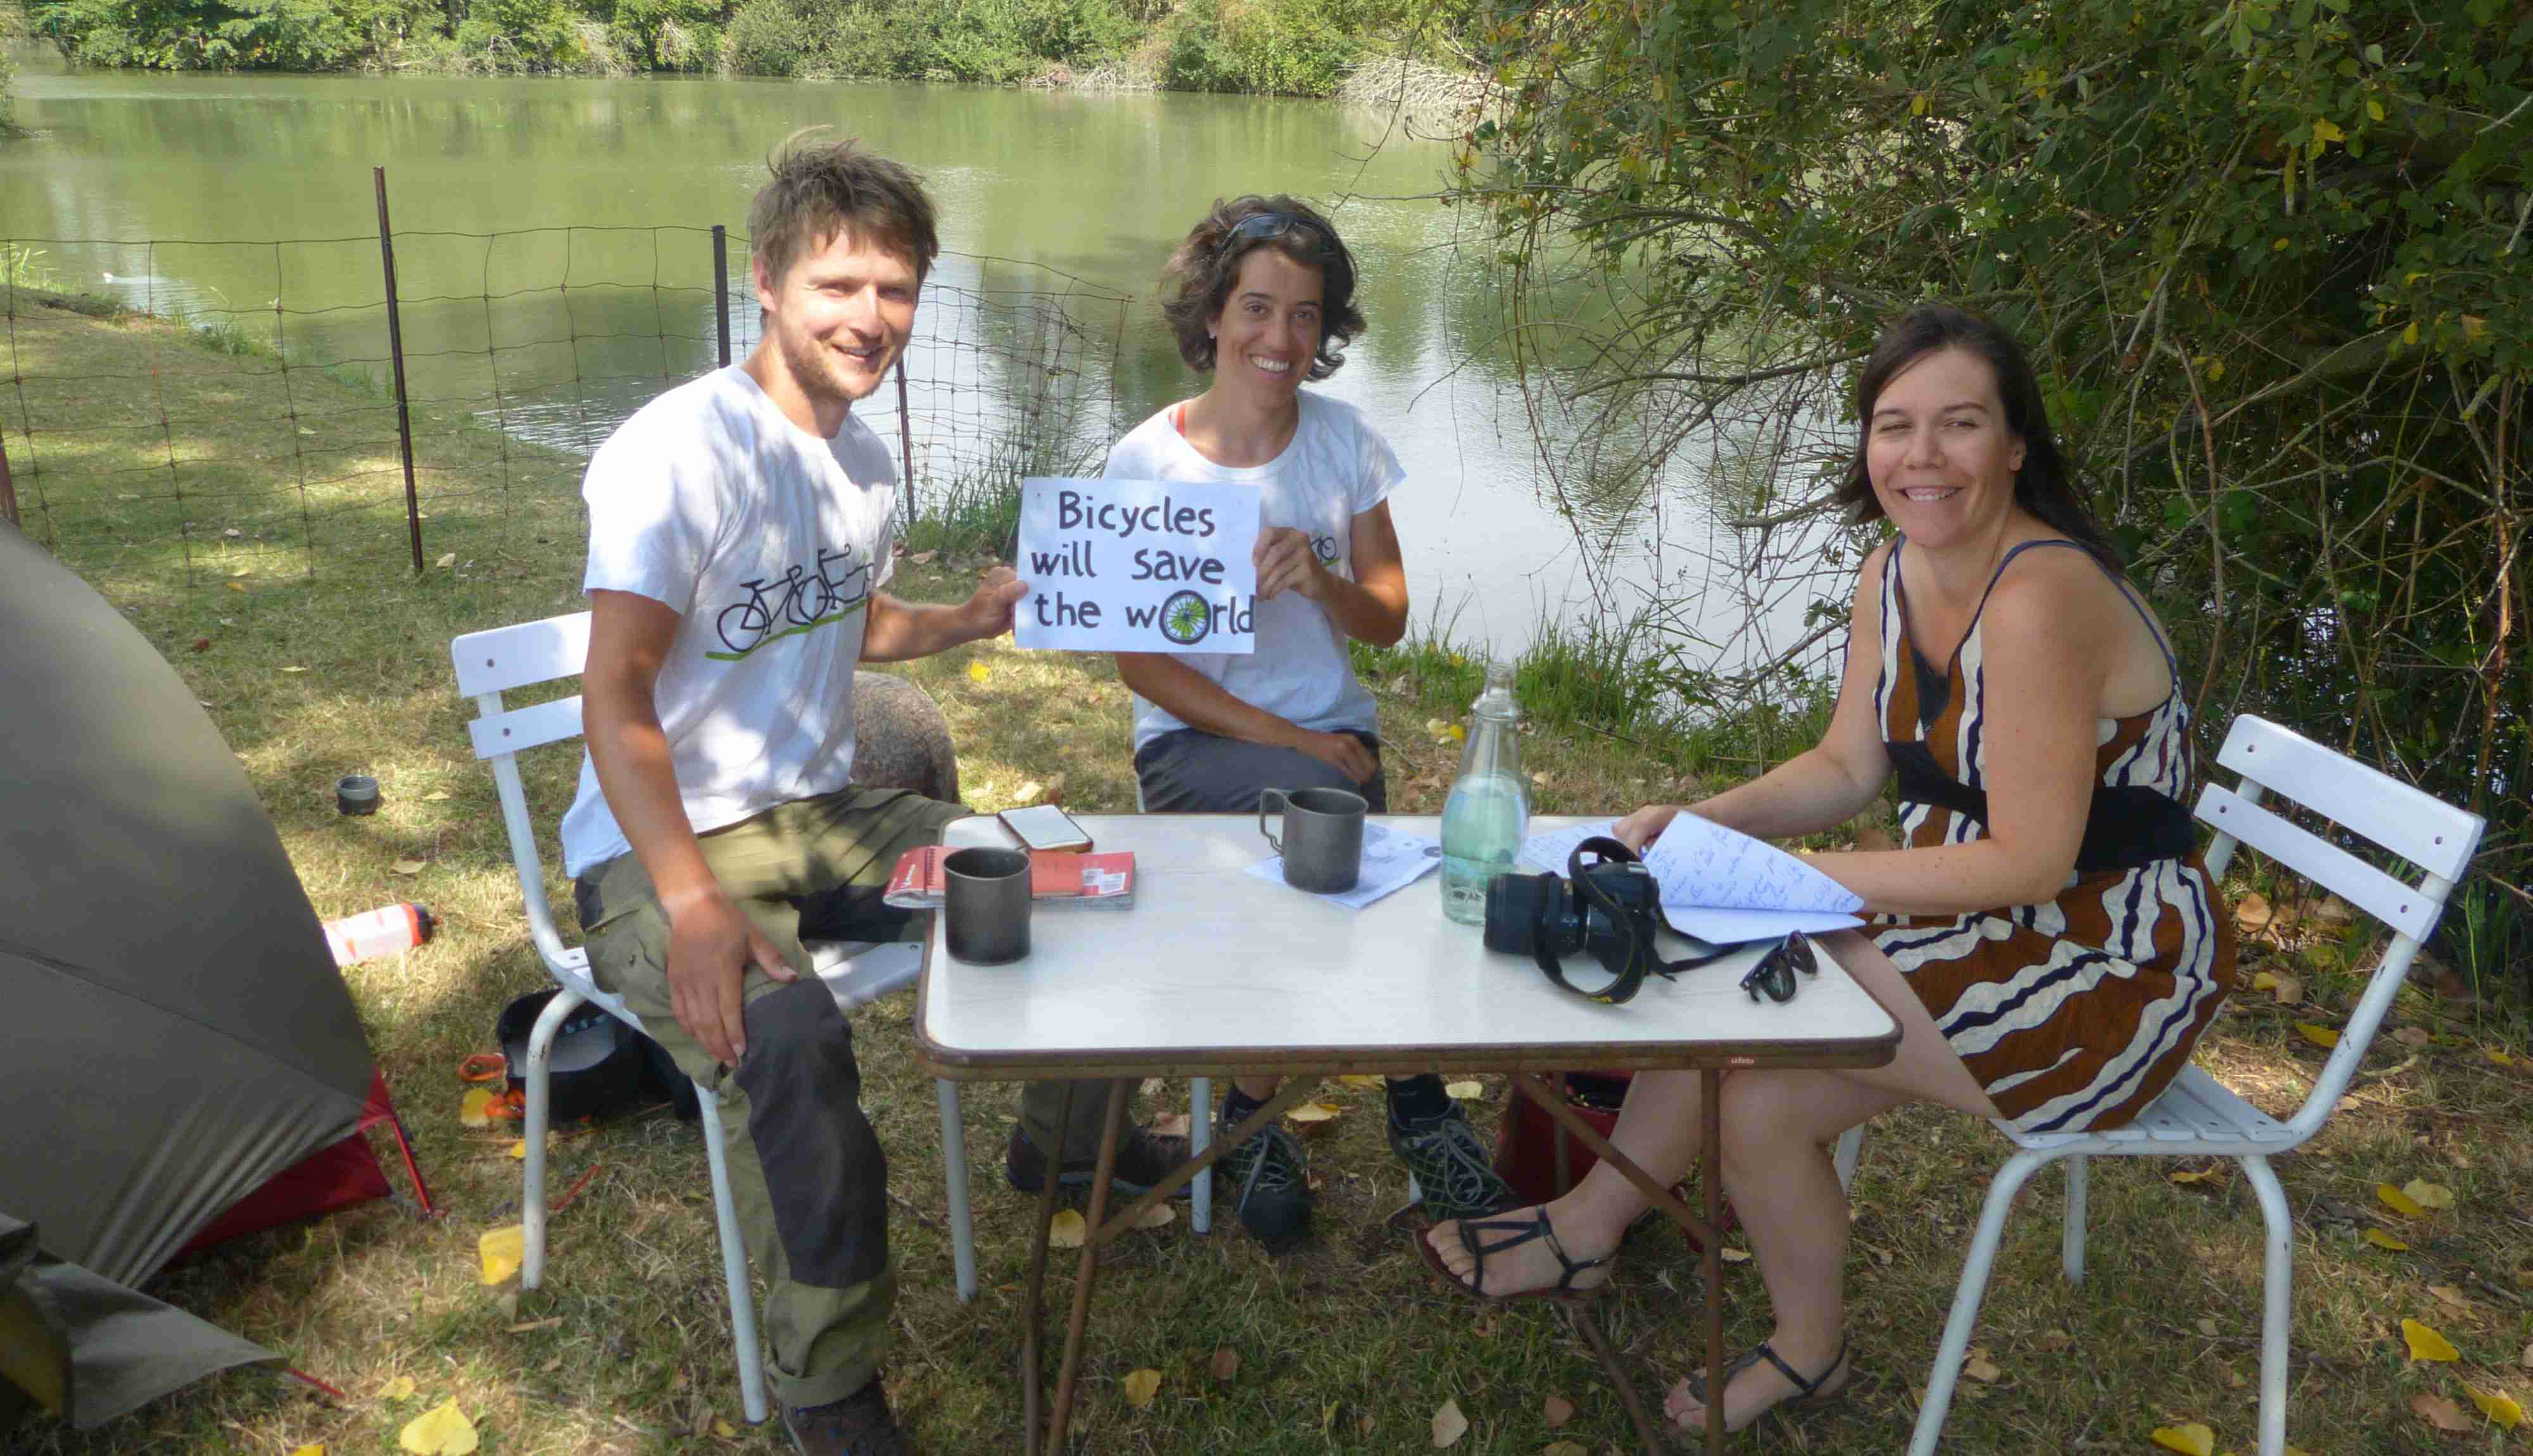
{"points": [[1806, 1392], [1521, 1232]]}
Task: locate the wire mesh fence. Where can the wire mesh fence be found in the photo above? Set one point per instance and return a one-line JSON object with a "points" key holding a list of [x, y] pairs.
{"points": [[244, 417]]}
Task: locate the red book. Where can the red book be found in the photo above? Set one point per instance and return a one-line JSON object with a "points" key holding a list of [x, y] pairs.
{"points": [[1094, 880]]}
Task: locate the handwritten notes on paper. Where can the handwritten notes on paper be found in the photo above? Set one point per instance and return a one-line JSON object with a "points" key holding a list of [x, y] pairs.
{"points": [[1718, 884], [1138, 566]]}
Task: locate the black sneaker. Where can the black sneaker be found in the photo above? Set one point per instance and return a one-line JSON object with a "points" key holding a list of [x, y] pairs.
{"points": [[1143, 1158], [1268, 1180], [1451, 1170], [859, 1425]]}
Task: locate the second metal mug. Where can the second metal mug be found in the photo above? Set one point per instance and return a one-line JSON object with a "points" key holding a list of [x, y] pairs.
{"points": [[985, 906], [1323, 842]]}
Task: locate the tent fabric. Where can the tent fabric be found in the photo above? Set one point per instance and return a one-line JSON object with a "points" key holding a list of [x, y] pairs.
{"points": [[89, 1349], [177, 1031], [337, 1176]]}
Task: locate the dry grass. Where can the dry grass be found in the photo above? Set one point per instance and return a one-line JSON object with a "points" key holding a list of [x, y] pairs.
{"points": [[1346, 1345]]}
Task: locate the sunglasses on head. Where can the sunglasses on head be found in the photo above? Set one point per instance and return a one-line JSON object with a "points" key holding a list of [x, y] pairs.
{"points": [[1775, 972], [1262, 227]]}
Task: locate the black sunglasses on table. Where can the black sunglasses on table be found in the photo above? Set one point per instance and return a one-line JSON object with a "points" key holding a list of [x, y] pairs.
{"points": [[1775, 972]]}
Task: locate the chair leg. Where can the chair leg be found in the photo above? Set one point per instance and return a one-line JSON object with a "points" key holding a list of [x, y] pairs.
{"points": [[734, 1262], [532, 1164], [954, 1177], [2277, 1272], [1966, 1300], [2071, 1238], [1200, 1128], [1850, 1143]]}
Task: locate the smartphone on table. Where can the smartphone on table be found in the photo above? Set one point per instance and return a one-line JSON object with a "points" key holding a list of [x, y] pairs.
{"points": [[1045, 826]]}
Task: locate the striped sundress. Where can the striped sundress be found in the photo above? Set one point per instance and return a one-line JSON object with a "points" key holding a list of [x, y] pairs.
{"points": [[2077, 1013]]}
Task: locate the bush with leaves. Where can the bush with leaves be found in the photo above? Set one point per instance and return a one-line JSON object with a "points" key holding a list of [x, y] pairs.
{"points": [[2272, 258]]}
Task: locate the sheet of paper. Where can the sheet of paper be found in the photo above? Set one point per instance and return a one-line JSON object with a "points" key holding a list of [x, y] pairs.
{"points": [[1550, 849], [1392, 860], [1138, 566], [1702, 863], [1734, 927]]}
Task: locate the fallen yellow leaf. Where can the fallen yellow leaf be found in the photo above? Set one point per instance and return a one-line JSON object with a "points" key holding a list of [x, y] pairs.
{"points": [[441, 1430], [1980, 1368], [2429, 1195], [1158, 1216], [2497, 1405], [1141, 1386], [2451, 1296], [294, 670], [2399, 1201], [474, 1110], [408, 866], [1067, 1230], [2497, 1056], [1311, 1112], [725, 1430], [1731, 1255], [446, 560], [434, 796], [2318, 1035], [2383, 1239], [1028, 792], [979, 672], [400, 1389], [1360, 1080], [313, 1448], [2189, 1438], [501, 1249], [2264, 981], [1450, 1424], [2427, 1344], [2251, 914], [1465, 1091], [2196, 1174]]}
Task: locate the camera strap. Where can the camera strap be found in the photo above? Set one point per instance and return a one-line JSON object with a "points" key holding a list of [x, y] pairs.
{"points": [[1635, 959]]}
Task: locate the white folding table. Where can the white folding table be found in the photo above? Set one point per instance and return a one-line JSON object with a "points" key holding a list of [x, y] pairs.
{"points": [[1215, 972]]}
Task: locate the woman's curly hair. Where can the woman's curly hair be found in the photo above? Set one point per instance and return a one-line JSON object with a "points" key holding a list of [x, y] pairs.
{"points": [[1199, 278]]}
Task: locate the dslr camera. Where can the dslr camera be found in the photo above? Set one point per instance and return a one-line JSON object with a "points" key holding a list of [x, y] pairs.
{"points": [[1607, 903]]}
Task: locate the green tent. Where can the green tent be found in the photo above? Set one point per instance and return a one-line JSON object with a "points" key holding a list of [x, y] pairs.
{"points": [[176, 1032]]}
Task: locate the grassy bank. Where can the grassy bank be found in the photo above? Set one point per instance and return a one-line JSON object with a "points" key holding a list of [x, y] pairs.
{"points": [[1279, 48], [336, 660]]}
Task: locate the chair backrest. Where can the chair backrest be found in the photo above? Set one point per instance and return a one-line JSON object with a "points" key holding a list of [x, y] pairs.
{"points": [[2433, 836], [489, 664]]}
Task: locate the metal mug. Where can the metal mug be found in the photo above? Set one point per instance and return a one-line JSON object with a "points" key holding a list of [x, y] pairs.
{"points": [[1322, 843], [985, 906]]}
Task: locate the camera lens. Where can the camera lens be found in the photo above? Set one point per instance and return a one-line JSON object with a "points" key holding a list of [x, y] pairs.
{"points": [[1513, 908]]}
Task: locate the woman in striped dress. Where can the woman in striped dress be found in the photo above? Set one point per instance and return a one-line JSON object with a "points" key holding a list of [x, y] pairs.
{"points": [[2048, 939]]}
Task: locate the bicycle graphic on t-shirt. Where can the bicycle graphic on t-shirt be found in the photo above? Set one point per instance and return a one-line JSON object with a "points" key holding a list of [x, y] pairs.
{"points": [[794, 601]]}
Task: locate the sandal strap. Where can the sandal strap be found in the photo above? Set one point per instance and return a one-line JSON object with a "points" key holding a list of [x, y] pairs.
{"points": [[1803, 1389], [1522, 1232]]}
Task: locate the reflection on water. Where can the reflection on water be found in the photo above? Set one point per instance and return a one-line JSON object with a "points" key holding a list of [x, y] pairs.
{"points": [[555, 262]]}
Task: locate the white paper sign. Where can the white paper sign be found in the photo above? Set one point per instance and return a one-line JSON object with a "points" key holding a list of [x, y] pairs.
{"points": [[1138, 566]]}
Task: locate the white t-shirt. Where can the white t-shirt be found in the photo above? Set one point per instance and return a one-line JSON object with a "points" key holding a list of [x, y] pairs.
{"points": [[768, 542], [1336, 468]]}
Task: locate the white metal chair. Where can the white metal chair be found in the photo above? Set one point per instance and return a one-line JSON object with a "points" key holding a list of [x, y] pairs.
{"points": [[2199, 1117], [492, 663]]}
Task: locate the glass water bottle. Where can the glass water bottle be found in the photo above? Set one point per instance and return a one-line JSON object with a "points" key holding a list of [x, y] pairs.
{"points": [[1489, 811]]}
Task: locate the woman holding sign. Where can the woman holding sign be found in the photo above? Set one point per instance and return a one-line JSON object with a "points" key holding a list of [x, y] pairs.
{"points": [[2048, 939], [1260, 296]]}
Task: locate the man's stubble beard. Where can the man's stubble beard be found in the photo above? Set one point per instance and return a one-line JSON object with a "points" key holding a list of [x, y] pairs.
{"points": [[818, 374]]}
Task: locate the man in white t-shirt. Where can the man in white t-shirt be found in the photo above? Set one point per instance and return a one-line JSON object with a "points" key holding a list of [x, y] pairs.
{"points": [[741, 530]]}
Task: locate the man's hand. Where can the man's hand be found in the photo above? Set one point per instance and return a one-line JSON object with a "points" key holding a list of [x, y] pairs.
{"points": [[1645, 826], [711, 945], [1286, 562], [989, 612], [1343, 752]]}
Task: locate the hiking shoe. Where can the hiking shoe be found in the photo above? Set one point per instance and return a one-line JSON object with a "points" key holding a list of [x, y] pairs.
{"points": [[1451, 1169], [1268, 1180], [1143, 1158], [859, 1425]]}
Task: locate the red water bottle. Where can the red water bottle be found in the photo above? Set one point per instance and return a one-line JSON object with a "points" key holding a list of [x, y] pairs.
{"points": [[379, 932]]}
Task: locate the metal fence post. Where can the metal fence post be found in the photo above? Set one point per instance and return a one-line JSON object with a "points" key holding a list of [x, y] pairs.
{"points": [[8, 488], [395, 352], [721, 290], [906, 439]]}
